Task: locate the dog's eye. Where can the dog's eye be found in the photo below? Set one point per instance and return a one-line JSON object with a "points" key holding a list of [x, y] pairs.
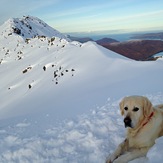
{"points": [[126, 108], [135, 109]]}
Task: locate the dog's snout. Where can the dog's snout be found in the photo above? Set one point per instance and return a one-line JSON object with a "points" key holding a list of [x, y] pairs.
{"points": [[127, 122]]}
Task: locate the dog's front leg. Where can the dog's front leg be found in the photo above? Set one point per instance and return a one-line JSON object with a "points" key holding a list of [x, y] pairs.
{"points": [[131, 155], [121, 149]]}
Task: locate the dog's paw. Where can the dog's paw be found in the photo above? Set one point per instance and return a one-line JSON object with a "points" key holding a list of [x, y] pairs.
{"points": [[119, 160], [108, 161]]}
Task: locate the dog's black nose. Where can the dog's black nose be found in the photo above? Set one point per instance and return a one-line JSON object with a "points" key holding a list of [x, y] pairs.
{"points": [[127, 122]]}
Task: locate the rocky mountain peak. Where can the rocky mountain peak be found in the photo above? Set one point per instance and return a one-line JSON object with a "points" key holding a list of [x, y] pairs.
{"points": [[29, 27]]}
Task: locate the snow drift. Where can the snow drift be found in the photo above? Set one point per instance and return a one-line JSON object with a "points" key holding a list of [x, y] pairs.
{"points": [[59, 99]]}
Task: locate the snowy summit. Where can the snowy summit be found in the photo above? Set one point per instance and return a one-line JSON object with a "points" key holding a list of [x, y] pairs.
{"points": [[60, 98], [29, 27]]}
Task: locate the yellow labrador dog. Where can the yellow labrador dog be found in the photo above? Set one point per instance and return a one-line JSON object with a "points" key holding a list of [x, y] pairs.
{"points": [[144, 124]]}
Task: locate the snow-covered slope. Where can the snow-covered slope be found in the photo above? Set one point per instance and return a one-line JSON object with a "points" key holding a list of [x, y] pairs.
{"points": [[59, 99]]}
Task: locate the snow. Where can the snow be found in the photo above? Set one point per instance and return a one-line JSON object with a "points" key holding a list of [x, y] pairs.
{"points": [[154, 152], [60, 99]]}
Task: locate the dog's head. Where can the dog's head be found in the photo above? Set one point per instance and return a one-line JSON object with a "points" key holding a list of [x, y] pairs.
{"points": [[135, 109]]}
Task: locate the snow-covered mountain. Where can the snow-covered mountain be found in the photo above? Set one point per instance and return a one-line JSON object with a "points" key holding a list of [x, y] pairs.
{"points": [[29, 27], [59, 99]]}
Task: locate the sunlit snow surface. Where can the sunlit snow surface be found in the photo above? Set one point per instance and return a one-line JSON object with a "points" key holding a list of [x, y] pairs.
{"points": [[59, 100]]}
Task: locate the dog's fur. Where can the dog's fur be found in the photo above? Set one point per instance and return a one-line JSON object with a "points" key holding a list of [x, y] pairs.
{"points": [[144, 125]]}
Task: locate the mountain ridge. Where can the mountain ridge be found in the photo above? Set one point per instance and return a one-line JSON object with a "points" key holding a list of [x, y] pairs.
{"points": [[39, 60]]}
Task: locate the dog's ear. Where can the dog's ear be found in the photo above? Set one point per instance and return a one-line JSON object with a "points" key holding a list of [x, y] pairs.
{"points": [[147, 107], [121, 105]]}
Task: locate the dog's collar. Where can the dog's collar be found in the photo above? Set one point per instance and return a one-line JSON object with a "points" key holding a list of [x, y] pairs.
{"points": [[151, 115], [135, 131]]}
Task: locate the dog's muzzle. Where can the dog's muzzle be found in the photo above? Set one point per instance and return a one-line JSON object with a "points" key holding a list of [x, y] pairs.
{"points": [[127, 122]]}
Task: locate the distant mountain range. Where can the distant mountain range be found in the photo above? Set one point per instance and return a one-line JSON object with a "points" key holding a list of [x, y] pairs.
{"points": [[80, 39], [134, 49], [137, 49], [148, 36]]}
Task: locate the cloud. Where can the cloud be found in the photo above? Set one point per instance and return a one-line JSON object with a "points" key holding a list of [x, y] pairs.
{"points": [[119, 22], [142, 15], [74, 11]]}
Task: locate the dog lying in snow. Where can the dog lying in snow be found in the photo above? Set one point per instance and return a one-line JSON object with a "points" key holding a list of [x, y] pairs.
{"points": [[144, 124]]}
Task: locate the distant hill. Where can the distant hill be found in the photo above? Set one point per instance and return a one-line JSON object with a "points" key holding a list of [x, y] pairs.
{"points": [[137, 49], [148, 36], [79, 39], [105, 41]]}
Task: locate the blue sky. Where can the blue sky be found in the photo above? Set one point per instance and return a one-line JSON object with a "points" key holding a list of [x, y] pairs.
{"points": [[113, 16]]}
